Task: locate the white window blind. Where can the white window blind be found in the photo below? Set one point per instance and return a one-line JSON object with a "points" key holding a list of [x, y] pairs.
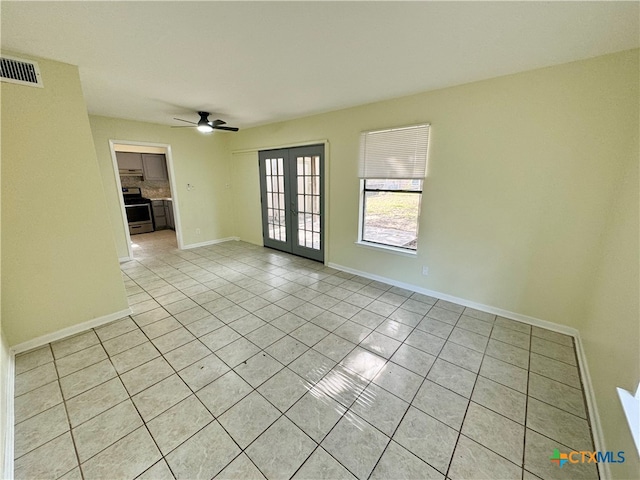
{"points": [[394, 153]]}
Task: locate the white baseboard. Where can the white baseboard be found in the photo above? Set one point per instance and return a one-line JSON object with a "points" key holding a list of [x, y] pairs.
{"points": [[209, 242], [72, 330], [7, 468], [594, 417], [462, 301], [124, 259]]}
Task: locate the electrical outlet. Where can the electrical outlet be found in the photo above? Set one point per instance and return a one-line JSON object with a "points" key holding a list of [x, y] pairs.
{"points": [[425, 270], [197, 231]]}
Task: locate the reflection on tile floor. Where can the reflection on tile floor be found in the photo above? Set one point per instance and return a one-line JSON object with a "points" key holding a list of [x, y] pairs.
{"points": [[244, 362]]}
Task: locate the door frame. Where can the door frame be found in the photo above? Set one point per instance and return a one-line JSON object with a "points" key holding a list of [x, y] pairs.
{"points": [[281, 245], [172, 185], [327, 173], [291, 197]]}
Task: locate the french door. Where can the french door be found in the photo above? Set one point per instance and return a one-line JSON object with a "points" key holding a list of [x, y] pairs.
{"points": [[291, 187]]}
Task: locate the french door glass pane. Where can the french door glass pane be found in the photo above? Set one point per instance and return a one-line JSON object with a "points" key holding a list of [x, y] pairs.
{"points": [[275, 199], [308, 182]]}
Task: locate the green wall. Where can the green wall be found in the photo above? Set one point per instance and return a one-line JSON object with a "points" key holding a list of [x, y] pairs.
{"points": [[611, 328], [5, 360], [199, 160], [530, 204], [59, 262], [521, 172]]}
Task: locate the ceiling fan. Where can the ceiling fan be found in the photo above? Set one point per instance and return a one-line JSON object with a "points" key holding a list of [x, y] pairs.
{"points": [[205, 125]]}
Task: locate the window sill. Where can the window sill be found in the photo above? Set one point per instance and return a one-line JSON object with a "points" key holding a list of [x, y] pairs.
{"points": [[387, 248]]}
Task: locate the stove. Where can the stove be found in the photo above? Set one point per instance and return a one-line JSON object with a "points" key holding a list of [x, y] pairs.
{"points": [[133, 195], [138, 209]]}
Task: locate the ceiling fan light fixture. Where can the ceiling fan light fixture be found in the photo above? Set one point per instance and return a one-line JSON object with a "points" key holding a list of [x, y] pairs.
{"points": [[204, 125], [205, 128]]}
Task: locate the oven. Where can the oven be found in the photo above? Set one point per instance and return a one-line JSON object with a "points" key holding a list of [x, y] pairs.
{"points": [[138, 210], [139, 218]]}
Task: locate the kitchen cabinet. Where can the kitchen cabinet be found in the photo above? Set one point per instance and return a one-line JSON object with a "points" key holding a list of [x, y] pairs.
{"points": [[159, 215], [163, 214], [129, 161], [155, 167], [168, 208]]}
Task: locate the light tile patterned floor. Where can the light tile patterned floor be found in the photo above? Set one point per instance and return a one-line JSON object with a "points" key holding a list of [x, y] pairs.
{"points": [[244, 362]]}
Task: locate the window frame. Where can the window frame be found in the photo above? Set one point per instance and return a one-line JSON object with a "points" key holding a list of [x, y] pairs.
{"points": [[361, 217], [364, 190]]}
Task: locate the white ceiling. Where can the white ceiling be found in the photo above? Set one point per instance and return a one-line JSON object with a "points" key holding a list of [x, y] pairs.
{"points": [[258, 62]]}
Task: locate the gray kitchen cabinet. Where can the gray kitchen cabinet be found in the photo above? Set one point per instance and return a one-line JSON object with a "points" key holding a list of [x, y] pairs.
{"points": [[168, 208], [155, 167], [159, 215], [129, 161]]}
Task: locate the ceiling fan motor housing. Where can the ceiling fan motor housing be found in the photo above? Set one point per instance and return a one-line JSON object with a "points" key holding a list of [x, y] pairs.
{"points": [[204, 118]]}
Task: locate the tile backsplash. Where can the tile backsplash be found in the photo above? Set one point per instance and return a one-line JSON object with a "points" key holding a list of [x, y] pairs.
{"points": [[150, 189]]}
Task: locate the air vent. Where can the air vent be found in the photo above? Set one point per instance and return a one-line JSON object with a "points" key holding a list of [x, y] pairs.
{"points": [[20, 71]]}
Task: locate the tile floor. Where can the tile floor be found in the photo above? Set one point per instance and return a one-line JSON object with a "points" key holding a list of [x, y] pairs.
{"points": [[243, 362]]}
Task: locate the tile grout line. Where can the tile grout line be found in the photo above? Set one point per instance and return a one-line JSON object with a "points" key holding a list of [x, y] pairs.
{"points": [[66, 412], [414, 397], [387, 360], [301, 289], [242, 451], [464, 417], [526, 408], [145, 423]]}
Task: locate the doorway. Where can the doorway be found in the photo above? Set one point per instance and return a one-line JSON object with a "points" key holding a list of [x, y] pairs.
{"points": [[292, 193], [145, 182]]}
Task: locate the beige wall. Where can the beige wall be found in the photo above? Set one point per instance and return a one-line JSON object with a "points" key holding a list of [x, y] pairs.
{"points": [[5, 359], [611, 330], [200, 160], [520, 174], [530, 204], [246, 197], [4, 404], [59, 262], [524, 206]]}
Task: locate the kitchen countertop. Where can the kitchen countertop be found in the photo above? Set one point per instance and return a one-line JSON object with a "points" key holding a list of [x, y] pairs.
{"points": [[163, 198]]}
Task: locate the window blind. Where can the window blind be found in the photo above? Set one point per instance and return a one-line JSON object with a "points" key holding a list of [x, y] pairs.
{"points": [[394, 153]]}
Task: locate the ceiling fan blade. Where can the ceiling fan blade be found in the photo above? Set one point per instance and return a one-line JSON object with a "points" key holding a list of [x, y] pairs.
{"points": [[217, 122], [231, 129], [183, 126], [181, 120]]}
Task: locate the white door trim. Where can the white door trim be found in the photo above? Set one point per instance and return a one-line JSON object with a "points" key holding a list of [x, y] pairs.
{"points": [[172, 185]]}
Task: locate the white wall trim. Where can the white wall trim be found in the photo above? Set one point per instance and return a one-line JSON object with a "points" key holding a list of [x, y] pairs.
{"points": [[7, 468], [125, 259], [461, 301], [594, 417], [324, 141], [209, 242], [116, 174], [172, 185], [72, 330]]}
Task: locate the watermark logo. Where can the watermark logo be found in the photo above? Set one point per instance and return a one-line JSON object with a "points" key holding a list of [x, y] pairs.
{"points": [[561, 459]]}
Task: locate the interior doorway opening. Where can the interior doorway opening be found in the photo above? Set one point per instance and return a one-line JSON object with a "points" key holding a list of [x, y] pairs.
{"points": [[146, 190]]}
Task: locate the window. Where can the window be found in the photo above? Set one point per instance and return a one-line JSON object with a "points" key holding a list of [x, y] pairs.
{"points": [[392, 169]]}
